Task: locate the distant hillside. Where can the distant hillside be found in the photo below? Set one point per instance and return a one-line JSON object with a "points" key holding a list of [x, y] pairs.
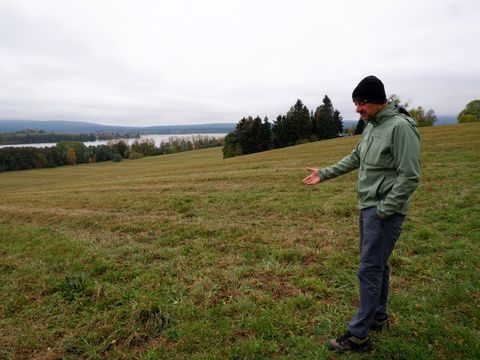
{"points": [[446, 119], [86, 127], [349, 123]]}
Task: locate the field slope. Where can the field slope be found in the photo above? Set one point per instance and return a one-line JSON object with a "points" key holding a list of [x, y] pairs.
{"points": [[189, 256]]}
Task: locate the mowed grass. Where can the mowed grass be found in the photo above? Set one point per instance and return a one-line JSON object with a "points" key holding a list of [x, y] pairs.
{"points": [[190, 256]]}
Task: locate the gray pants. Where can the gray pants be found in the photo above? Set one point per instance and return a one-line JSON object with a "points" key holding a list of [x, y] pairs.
{"points": [[377, 239]]}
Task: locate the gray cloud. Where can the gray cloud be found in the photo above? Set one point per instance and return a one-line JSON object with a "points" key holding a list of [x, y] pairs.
{"points": [[149, 62]]}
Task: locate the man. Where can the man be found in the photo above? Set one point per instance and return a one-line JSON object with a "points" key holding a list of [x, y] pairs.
{"points": [[388, 159]]}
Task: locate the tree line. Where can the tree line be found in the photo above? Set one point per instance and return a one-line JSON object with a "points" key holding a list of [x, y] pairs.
{"points": [[41, 136], [298, 125], [75, 152]]}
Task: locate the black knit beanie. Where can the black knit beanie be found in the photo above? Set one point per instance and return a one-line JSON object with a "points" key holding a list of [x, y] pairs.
{"points": [[370, 90]]}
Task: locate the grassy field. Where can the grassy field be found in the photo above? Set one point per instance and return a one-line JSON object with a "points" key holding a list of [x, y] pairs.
{"points": [[189, 256]]}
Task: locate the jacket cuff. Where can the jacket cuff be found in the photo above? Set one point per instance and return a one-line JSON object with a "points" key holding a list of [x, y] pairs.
{"points": [[323, 175]]}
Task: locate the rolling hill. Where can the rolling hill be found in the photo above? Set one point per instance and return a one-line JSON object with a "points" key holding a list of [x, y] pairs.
{"points": [[86, 127], [191, 256]]}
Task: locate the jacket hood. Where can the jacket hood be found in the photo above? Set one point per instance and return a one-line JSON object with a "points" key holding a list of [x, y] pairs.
{"points": [[389, 112]]}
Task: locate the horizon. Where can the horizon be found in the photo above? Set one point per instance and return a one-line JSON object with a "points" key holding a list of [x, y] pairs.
{"points": [[116, 125], [9, 126], [450, 117]]}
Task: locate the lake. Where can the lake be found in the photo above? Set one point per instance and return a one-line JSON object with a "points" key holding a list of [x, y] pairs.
{"points": [[156, 137]]}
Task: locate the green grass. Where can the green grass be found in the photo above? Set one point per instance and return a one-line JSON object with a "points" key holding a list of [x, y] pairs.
{"points": [[189, 256]]}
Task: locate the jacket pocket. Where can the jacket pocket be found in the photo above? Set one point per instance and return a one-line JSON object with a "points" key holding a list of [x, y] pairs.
{"points": [[376, 152], [385, 187], [378, 194]]}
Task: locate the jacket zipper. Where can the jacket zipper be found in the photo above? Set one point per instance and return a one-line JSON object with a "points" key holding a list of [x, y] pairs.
{"points": [[370, 141]]}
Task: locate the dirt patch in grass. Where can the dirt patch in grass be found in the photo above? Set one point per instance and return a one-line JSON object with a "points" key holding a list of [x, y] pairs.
{"points": [[278, 286]]}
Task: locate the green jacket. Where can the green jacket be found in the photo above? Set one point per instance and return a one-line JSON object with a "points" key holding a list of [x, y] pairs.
{"points": [[388, 159]]}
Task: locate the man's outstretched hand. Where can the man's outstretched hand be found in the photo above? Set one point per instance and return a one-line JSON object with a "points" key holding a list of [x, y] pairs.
{"points": [[313, 178]]}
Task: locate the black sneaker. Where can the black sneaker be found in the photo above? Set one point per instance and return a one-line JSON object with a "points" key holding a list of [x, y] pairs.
{"points": [[379, 325], [349, 342]]}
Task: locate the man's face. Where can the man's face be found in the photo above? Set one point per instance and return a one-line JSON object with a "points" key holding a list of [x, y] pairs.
{"points": [[368, 110]]}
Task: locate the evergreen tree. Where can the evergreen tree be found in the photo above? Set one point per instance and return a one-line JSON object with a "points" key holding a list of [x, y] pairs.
{"points": [[266, 135], [327, 120], [323, 118], [280, 132], [359, 128], [231, 147], [314, 127], [247, 131], [299, 119], [297, 126], [250, 136], [338, 121]]}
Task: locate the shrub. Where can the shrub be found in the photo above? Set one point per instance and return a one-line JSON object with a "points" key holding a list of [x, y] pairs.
{"points": [[135, 155], [117, 158]]}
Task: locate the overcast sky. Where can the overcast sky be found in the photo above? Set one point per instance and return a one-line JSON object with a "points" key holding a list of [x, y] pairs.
{"points": [[154, 62]]}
